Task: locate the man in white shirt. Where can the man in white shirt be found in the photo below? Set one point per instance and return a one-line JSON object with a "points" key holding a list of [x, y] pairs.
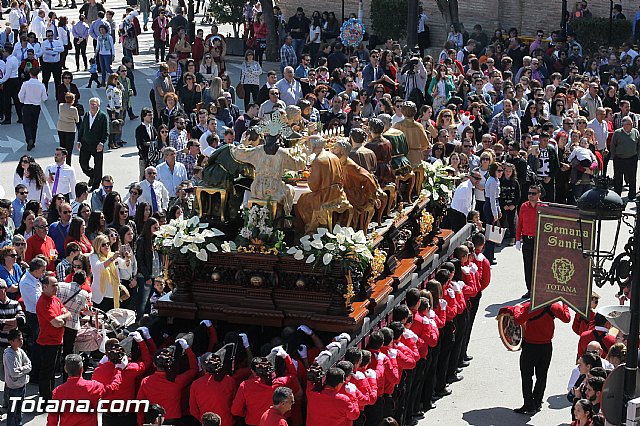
{"points": [[11, 84], [290, 88], [601, 130], [171, 173], [50, 63], [154, 192], [32, 95], [462, 201], [267, 106], [212, 129], [62, 177], [39, 25], [21, 47]]}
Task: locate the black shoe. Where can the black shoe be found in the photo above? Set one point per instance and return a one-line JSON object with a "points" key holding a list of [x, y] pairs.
{"points": [[122, 143], [20, 121], [464, 364], [443, 393], [454, 378], [5, 122], [493, 262], [30, 145], [523, 410], [468, 358], [133, 117], [526, 295], [89, 86]]}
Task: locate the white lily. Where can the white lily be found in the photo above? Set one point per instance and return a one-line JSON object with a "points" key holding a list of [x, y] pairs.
{"points": [[168, 243], [202, 255], [293, 250], [193, 248], [212, 247], [299, 255], [322, 231], [194, 221], [359, 238], [198, 239], [317, 244], [341, 238], [184, 249], [330, 246], [311, 258], [305, 240], [326, 259], [177, 241]]}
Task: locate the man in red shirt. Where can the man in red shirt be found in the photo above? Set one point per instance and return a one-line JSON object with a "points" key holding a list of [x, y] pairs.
{"points": [[159, 389], [52, 316], [283, 400], [600, 333], [526, 233], [41, 243], [536, 350], [77, 388], [329, 406], [131, 376]]}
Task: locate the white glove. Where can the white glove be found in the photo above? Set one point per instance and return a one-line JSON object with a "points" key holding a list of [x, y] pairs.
{"points": [[409, 334], [425, 320], [136, 336], [381, 357], [343, 336], [104, 360], [451, 292], [350, 388], [245, 340], [206, 323], [393, 353], [518, 245], [182, 343], [145, 332], [370, 374], [474, 267], [306, 330], [432, 322], [466, 269], [303, 352], [281, 352], [359, 375], [432, 313], [443, 304], [123, 363], [461, 285], [334, 345]]}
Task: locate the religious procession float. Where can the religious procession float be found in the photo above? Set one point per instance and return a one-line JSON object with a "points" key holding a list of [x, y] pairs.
{"points": [[295, 229]]}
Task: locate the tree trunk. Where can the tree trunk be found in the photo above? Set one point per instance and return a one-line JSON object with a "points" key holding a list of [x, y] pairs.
{"points": [[272, 36], [449, 10]]}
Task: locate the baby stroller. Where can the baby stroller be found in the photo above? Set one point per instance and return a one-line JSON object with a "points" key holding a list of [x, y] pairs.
{"points": [[102, 326]]}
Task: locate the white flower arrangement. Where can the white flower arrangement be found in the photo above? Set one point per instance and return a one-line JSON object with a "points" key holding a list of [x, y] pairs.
{"points": [[189, 236], [437, 182], [344, 245], [258, 232]]}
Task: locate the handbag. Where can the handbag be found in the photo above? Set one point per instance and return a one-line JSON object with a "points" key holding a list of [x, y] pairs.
{"points": [[495, 234], [80, 109], [240, 91]]}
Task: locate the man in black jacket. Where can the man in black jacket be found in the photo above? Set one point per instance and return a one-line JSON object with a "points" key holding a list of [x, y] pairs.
{"points": [[145, 134], [546, 165], [263, 94], [92, 137]]}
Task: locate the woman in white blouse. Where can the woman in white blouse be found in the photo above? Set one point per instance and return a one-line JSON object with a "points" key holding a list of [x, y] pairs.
{"points": [[105, 288], [250, 78], [208, 68], [127, 264], [35, 180]]}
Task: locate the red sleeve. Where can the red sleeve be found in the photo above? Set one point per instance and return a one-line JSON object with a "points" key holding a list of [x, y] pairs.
{"points": [[114, 385], [145, 355], [187, 377], [290, 366], [441, 317], [392, 373], [213, 338], [239, 406], [518, 226], [363, 393], [583, 342], [352, 410], [193, 406], [142, 395], [561, 311], [405, 358], [577, 325], [486, 274], [521, 313]]}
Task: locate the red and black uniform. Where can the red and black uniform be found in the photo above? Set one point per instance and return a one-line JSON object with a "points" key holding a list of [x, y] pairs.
{"points": [[526, 234], [127, 390], [330, 407], [158, 389], [537, 348], [446, 337], [379, 363], [580, 325], [209, 394], [599, 334]]}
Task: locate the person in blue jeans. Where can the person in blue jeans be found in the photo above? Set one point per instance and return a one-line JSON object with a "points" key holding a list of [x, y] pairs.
{"points": [[106, 52]]}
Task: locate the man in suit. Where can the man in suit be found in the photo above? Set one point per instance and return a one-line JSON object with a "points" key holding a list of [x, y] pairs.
{"points": [[92, 137], [145, 134]]}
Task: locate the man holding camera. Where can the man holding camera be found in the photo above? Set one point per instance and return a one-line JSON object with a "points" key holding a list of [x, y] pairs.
{"points": [[414, 76]]}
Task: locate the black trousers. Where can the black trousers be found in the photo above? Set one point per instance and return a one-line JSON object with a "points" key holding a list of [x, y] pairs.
{"points": [[509, 221], [67, 140], [549, 193], [11, 89], [93, 173], [161, 50], [430, 374], [456, 219], [30, 117], [474, 303], [461, 322], [31, 347], [534, 360], [49, 357], [250, 91], [447, 341], [81, 50], [68, 341], [622, 168], [528, 245], [49, 69], [374, 414], [119, 419], [414, 395]]}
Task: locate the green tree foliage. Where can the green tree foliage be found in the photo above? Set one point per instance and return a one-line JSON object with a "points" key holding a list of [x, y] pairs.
{"points": [[594, 32], [228, 12], [389, 18]]}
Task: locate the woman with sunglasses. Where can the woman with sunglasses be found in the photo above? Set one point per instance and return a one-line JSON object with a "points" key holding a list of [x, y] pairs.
{"points": [[208, 68], [10, 270], [491, 208], [260, 31], [105, 288], [131, 202], [367, 106], [81, 263], [322, 103], [77, 235], [190, 95], [121, 218], [557, 112], [530, 118], [22, 166], [155, 148], [53, 214], [37, 184], [441, 87], [67, 86]]}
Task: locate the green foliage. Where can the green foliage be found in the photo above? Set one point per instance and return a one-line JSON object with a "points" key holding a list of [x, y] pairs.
{"points": [[228, 12], [594, 32], [389, 18]]}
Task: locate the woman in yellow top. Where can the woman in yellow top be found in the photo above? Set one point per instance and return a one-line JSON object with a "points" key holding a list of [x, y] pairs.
{"points": [[105, 291]]}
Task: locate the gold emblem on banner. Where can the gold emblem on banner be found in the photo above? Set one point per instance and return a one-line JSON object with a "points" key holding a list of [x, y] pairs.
{"points": [[563, 270]]}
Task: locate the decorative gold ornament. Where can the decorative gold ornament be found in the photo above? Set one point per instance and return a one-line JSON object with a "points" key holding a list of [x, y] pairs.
{"points": [[300, 283], [349, 293], [377, 265], [256, 281], [426, 226], [216, 276]]}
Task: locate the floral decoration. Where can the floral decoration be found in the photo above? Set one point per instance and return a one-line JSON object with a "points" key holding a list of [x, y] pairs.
{"points": [[258, 233], [189, 237]]}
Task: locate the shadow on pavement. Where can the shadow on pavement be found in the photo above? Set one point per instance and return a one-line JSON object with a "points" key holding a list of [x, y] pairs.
{"points": [[491, 311], [558, 402], [497, 416]]}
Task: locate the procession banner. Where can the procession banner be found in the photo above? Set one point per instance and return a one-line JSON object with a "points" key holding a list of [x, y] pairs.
{"points": [[560, 271]]}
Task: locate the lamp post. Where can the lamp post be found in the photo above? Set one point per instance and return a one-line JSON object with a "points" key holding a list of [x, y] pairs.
{"points": [[601, 204]]}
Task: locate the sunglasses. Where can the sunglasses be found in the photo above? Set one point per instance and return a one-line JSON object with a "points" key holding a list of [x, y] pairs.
{"points": [[533, 193], [19, 244], [26, 161], [66, 212], [14, 255], [133, 192], [164, 131], [77, 266], [24, 192], [107, 186], [42, 226], [105, 245], [124, 213]]}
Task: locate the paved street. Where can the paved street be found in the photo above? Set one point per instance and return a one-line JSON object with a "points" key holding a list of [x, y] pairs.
{"points": [[491, 388]]}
